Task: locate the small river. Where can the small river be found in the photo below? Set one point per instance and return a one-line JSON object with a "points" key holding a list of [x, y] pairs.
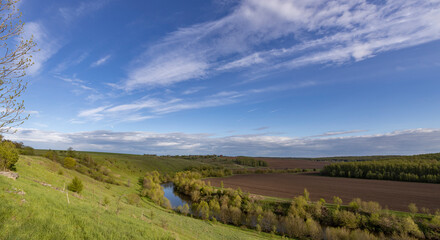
{"points": [[175, 199]]}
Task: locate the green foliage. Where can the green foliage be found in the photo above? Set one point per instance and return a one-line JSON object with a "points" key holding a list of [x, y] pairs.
{"points": [[46, 214], [76, 185], [69, 162], [8, 155], [302, 218], [203, 210], [71, 153], [52, 155], [151, 188], [337, 201], [26, 150], [413, 208]]}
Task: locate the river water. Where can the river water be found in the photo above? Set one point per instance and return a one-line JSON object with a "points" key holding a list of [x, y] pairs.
{"points": [[174, 198]]}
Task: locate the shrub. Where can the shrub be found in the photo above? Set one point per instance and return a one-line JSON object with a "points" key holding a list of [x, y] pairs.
{"points": [[413, 208], [203, 210], [133, 199], [370, 207], [27, 151], [76, 185], [346, 219], [355, 205], [8, 155], [362, 234], [105, 201], [337, 234], [337, 201], [69, 162]]}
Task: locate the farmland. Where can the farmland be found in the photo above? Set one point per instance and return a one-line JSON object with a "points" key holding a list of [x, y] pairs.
{"points": [[395, 195]]}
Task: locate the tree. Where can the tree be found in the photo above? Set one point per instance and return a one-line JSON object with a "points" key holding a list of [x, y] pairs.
{"points": [[69, 162], [15, 59], [203, 210], [76, 185], [71, 153], [8, 155], [413, 208], [337, 201]]}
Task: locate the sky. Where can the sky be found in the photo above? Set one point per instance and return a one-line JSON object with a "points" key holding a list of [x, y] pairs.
{"points": [[294, 78]]}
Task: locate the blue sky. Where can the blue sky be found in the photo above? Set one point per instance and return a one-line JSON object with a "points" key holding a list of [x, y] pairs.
{"points": [[250, 77]]}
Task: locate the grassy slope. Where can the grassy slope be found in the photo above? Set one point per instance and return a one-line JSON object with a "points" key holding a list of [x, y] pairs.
{"points": [[46, 214]]}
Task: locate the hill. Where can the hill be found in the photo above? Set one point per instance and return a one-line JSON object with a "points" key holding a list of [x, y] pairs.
{"points": [[35, 206]]}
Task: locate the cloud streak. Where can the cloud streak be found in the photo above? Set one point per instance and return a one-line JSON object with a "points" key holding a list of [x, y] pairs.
{"points": [[81, 9], [146, 108], [306, 32], [413, 141], [101, 61], [47, 45]]}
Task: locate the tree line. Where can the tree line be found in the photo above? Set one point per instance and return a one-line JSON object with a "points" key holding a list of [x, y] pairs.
{"points": [[302, 218], [413, 170], [248, 161]]}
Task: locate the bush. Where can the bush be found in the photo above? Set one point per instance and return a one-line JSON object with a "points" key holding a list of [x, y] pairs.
{"points": [[337, 233], [133, 199], [105, 201], [8, 155], [27, 151], [413, 208], [76, 185], [69, 162]]}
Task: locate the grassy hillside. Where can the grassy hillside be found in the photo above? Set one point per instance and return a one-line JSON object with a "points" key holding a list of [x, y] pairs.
{"points": [[43, 212]]}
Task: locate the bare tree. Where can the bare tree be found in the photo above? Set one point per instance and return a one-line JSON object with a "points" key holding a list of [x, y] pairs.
{"points": [[15, 58]]}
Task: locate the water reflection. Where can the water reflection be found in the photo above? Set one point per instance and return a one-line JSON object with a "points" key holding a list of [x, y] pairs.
{"points": [[175, 198]]}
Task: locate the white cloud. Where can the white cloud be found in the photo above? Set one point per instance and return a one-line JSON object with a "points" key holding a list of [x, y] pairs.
{"points": [[335, 133], [166, 71], [47, 45], [154, 107], [192, 90], [412, 141], [70, 62], [261, 128], [101, 61], [82, 9], [77, 82], [95, 113], [305, 32]]}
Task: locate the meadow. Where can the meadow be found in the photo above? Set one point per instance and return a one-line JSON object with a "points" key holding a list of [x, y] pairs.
{"points": [[123, 199], [101, 211]]}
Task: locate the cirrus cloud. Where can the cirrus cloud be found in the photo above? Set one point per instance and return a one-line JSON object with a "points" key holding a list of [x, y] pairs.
{"points": [[286, 34]]}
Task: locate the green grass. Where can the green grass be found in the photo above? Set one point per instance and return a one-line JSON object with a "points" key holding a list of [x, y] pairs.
{"points": [[45, 214]]}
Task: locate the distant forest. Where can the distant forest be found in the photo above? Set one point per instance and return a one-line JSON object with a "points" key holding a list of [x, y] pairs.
{"points": [[417, 168]]}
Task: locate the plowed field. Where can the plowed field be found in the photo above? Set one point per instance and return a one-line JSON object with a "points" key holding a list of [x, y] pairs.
{"points": [[282, 163], [395, 195]]}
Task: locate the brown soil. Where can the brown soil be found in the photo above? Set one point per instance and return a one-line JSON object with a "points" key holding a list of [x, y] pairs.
{"points": [[282, 163], [395, 195]]}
